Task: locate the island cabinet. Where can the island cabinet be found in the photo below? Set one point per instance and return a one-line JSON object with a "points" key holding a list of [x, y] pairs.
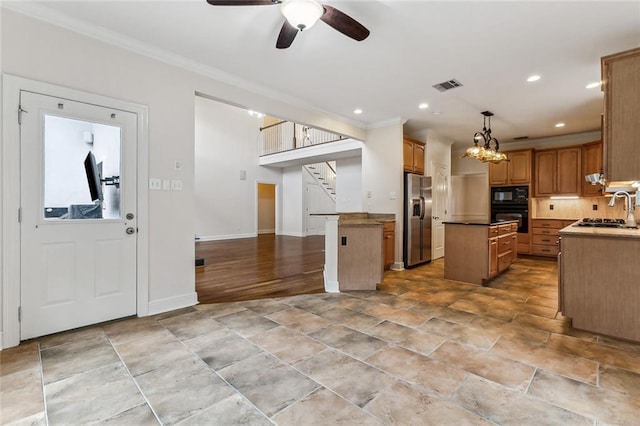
{"points": [[591, 163], [621, 126], [599, 285], [558, 172], [516, 171], [477, 252], [413, 155]]}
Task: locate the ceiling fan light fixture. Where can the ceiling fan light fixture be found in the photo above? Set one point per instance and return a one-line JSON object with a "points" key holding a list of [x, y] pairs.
{"points": [[301, 14]]}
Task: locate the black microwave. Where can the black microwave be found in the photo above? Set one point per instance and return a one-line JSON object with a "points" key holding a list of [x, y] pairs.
{"points": [[510, 195]]}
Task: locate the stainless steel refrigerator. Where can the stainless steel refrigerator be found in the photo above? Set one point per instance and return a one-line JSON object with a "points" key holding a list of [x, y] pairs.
{"points": [[417, 219]]}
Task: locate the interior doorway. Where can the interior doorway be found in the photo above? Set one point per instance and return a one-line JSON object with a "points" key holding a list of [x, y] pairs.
{"points": [[266, 204]]}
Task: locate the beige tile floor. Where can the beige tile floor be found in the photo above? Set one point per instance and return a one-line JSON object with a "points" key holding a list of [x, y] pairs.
{"points": [[421, 350]]}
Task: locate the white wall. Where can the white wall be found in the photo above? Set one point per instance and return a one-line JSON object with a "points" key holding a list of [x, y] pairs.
{"points": [[227, 143], [382, 175], [293, 187], [40, 51], [349, 185]]}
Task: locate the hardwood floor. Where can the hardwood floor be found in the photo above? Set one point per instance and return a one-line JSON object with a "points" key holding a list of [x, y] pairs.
{"points": [[254, 268]]}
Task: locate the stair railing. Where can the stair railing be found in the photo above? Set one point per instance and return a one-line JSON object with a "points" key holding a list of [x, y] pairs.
{"points": [[325, 175], [286, 135]]}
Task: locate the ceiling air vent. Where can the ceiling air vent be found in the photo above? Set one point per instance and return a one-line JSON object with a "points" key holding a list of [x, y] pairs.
{"points": [[447, 85]]}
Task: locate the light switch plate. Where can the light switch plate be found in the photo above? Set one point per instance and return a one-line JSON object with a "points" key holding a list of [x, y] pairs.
{"points": [[166, 185]]}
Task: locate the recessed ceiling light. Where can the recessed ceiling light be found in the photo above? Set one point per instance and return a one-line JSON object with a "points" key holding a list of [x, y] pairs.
{"points": [[593, 85], [437, 113], [533, 78], [357, 111], [559, 124], [423, 105]]}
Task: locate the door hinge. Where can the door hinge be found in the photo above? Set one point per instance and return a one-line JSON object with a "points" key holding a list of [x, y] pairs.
{"points": [[20, 111], [19, 214], [19, 313]]}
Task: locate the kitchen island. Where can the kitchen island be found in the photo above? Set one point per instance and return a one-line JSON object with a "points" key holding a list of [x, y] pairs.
{"points": [[599, 280], [477, 251]]}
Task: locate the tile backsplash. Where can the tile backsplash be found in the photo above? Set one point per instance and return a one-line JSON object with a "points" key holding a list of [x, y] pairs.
{"points": [[578, 209]]}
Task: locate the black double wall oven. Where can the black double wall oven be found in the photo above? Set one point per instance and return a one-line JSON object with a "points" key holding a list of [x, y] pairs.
{"points": [[511, 203]]}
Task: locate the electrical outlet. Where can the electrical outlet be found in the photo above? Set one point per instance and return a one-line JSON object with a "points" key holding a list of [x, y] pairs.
{"points": [[155, 184], [550, 206], [595, 207], [176, 185]]}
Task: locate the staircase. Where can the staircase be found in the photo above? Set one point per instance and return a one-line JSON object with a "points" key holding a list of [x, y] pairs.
{"points": [[325, 174]]}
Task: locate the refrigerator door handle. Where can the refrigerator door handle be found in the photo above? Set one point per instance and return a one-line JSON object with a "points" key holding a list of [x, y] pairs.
{"points": [[422, 207]]}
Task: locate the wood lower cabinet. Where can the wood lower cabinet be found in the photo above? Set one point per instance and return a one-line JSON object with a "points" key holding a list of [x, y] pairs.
{"points": [[621, 126], [476, 253], [413, 155], [544, 236], [599, 283], [389, 241]]}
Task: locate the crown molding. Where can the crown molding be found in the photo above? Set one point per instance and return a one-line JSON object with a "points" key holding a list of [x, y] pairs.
{"points": [[43, 13], [386, 123]]}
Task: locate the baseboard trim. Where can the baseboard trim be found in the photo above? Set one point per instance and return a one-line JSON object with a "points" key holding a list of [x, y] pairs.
{"points": [[397, 266], [266, 231], [330, 286], [226, 237], [173, 303], [294, 234], [1, 340]]}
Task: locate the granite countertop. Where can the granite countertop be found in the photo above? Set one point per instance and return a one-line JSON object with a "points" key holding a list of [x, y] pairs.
{"points": [[479, 222], [357, 218], [601, 232], [554, 218]]}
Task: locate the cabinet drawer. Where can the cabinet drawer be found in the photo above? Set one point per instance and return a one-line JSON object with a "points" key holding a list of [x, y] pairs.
{"points": [[547, 223], [504, 261], [550, 240], [388, 226], [544, 250], [514, 227], [545, 231], [505, 244], [493, 231], [504, 229]]}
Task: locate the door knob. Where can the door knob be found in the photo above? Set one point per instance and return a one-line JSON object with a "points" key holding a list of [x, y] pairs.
{"points": [[130, 231]]}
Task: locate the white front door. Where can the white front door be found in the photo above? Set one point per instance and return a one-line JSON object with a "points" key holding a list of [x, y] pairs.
{"points": [[78, 208], [440, 196]]}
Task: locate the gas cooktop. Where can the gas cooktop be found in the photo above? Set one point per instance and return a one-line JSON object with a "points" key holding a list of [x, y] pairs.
{"points": [[602, 223]]}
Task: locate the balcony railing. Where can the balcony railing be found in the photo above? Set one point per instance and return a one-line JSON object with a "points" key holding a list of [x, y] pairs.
{"points": [[286, 135]]}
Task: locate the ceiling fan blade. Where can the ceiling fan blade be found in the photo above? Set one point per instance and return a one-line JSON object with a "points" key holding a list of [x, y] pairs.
{"points": [[344, 23], [286, 36], [242, 2]]}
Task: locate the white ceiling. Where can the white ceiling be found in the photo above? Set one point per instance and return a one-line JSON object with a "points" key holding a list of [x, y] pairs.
{"points": [[490, 47]]}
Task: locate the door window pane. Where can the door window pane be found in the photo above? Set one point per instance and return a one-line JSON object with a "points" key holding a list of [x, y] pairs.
{"points": [[81, 169]]}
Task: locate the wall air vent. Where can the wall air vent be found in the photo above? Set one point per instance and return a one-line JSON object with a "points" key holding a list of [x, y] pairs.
{"points": [[520, 138], [447, 85]]}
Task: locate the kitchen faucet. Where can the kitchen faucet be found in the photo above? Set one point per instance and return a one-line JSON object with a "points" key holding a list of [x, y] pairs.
{"points": [[631, 219]]}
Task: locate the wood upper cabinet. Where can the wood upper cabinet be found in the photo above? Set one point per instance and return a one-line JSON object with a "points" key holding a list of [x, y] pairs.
{"points": [[516, 171], [413, 155], [621, 125], [558, 172], [591, 163]]}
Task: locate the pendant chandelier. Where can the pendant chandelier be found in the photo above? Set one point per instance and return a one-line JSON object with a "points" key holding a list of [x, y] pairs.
{"points": [[482, 149]]}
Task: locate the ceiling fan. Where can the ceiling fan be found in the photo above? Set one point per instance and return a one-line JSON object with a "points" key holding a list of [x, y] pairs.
{"points": [[303, 14]]}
